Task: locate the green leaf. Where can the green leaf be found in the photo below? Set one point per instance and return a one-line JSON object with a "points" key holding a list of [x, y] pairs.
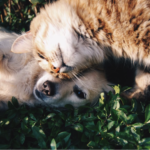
{"points": [[26, 120], [34, 2], [51, 115], [117, 129], [92, 144], [91, 118], [42, 143], [24, 127], [39, 135], [53, 145], [78, 127], [137, 125], [116, 105], [32, 117], [91, 127], [10, 105], [32, 123], [117, 89], [124, 110], [7, 122], [110, 135], [123, 142], [135, 135], [134, 105], [145, 142], [147, 113], [16, 1], [99, 126], [110, 125], [64, 136], [101, 100], [22, 138], [15, 102], [131, 118], [123, 89], [118, 114]]}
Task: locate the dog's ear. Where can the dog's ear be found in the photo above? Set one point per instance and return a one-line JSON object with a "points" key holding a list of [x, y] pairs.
{"points": [[23, 44]]}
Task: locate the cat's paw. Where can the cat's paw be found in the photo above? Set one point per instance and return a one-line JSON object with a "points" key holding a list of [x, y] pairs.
{"points": [[133, 94], [138, 94]]}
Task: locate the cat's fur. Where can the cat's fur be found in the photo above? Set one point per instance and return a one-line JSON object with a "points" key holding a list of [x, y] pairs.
{"points": [[69, 36], [21, 77]]}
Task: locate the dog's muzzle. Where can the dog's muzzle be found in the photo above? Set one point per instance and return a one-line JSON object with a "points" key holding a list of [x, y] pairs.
{"points": [[48, 89]]}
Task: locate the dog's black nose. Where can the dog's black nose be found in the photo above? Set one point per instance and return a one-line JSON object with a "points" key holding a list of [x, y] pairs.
{"points": [[48, 88]]}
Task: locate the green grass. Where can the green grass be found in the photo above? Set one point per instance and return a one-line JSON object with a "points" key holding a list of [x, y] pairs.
{"points": [[16, 15], [112, 124]]}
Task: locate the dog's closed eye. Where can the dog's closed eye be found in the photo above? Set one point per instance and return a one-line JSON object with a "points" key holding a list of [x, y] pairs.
{"points": [[79, 93]]}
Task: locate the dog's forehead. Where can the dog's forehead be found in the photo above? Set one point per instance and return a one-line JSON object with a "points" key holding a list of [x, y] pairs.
{"points": [[93, 81], [89, 79]]}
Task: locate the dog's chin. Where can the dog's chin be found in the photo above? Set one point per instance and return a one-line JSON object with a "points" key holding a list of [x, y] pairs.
{"points": [[41, 97], [38, 95], [47, 101]]}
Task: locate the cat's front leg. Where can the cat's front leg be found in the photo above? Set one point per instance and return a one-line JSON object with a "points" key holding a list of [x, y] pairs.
{"points": [[141, 89]]}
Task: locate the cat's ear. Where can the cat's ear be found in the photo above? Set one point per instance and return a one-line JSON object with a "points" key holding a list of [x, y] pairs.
{"points": [[23, 44]]}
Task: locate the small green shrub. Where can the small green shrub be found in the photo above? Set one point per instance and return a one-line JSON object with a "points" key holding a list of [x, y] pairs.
{"points": [[115, 123], [16, 15]]}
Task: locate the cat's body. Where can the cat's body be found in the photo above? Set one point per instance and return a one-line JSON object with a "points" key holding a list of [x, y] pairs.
{"points": [[69, 36]]}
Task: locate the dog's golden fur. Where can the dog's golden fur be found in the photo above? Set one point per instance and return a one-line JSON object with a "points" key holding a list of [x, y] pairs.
{"points": [[16, 76], [21, 77], [73, 35]]}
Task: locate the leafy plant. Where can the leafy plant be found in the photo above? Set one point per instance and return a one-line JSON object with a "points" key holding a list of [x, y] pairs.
{"points": [[17, 14], [112, 124]]}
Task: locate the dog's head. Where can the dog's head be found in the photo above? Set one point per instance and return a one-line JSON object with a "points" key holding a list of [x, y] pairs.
{"points": [[85, 89], [60, 42]]}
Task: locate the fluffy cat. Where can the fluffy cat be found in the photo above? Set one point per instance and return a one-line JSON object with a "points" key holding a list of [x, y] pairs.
{"points": [[69, 36]]}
